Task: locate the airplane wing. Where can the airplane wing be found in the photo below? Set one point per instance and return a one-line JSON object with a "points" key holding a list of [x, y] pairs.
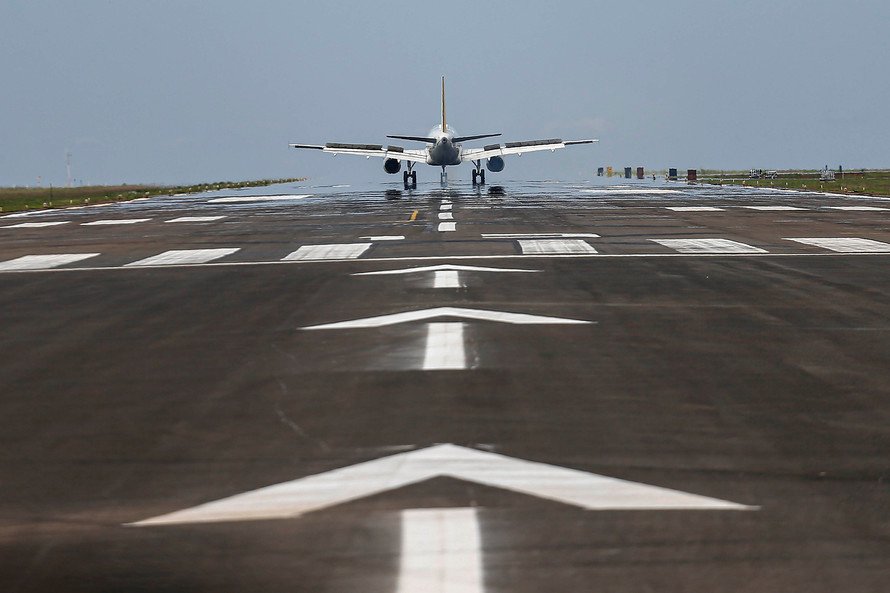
{"points": [[369, 150], [491, 150]]}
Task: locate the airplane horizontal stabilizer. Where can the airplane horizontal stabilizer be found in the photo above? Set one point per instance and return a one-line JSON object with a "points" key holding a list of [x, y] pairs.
{"points": [[415, 138], [476, 137]]}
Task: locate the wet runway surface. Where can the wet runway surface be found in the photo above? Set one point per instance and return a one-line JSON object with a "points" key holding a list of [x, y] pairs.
{"points": [[519, 388]]}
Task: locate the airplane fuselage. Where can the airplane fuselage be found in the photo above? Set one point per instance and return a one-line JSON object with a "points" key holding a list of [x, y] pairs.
{"points": [[444, 152]]}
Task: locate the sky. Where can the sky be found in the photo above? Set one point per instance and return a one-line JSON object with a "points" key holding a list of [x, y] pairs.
{"points": [[186, 91]]}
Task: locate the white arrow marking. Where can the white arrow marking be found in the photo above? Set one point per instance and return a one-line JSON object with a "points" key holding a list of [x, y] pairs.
{"points": [[446, 216], [443, 267], [441, 551], [447, 227], [444, 347], [423, 314], [446, 279], [568, 486]]}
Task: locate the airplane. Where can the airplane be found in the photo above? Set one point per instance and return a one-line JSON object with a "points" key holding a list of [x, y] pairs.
{"points": [[444, 149]]}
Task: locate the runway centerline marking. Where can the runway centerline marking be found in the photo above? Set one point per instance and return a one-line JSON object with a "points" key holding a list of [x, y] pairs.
{"points": [[844, 244], [111, 222], [446, 279], [594, 492], [708, 246], [35, 225], [184, 256], [695, 209], [43, 262], [441, 551], [248, 199], [539, 235], [444, 350], [196, 219], [546, 246], [446, 216], [442, 267], [774, 208], [384, 238], [331, 251], [447, 227], [445, 207], [436, 312]]}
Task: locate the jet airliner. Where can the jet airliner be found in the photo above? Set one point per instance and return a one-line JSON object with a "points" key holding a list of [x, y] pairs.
{"points": [[444, 148]]}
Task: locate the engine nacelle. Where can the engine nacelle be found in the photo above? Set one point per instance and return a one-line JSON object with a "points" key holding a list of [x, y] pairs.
{"points": [[392, 166], [495, 164]]}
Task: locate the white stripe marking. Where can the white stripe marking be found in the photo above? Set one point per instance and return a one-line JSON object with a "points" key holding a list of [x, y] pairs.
{"points": [[35, 225], [43, 262], [113, 222], [445, 207], [196, 219], [444, 347], [447, 227], [630, 191], [184, 256], [857, 208], [446, 279], [423, 314], [441, 551], [695, 209], [332, 251], [446, 216], [240, 199], [546, 246], [384, 238], [442, 267], [845, 244], [773, 208], [540, 235], [708, 246]]}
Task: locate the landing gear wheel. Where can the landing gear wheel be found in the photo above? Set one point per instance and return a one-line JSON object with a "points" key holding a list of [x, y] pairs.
{"points": [[410, 179]]}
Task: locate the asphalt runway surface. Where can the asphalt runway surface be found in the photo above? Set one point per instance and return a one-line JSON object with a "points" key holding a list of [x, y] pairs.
{"points": [[526, 387]]}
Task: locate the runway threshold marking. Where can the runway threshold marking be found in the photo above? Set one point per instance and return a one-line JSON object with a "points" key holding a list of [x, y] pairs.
{"points": [[444, 350], [184, 256], [548, 246], [196, 219], [446, 216], [112, 222], [331, 251], [247, 199], [288, 500], [436, 312], [708, 246], [441, 551], [35, 225], [43, 262], [844, 244], [447, 227]]}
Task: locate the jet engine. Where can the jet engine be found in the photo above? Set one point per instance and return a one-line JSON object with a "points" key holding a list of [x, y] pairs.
{"points": [[392, 166], [495, 164]]}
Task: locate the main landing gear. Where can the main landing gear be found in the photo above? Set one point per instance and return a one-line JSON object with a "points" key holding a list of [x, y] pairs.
{"points": [[478, 173], [410, 177], [443, 177]]}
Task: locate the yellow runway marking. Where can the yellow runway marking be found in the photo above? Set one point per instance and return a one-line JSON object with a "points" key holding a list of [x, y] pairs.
{"points": [[413, 216]]}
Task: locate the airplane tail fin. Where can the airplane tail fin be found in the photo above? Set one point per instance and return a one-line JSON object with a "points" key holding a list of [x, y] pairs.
{"points": [[443, 105]]}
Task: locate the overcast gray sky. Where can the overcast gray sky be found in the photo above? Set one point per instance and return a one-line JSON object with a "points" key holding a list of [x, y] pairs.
{"points": [[177, 91]]}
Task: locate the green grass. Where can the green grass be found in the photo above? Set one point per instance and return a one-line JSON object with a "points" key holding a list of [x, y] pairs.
{"points": [[13, 199], [868, 183]]}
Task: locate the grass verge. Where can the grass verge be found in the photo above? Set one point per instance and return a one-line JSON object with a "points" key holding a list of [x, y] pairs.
{"points": [[859, 182]]}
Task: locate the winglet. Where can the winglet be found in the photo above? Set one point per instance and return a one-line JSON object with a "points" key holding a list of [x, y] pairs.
{"points": [[443, 105]]}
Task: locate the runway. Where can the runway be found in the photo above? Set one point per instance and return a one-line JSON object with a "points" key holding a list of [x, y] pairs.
{"points": [[524, 387]]}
